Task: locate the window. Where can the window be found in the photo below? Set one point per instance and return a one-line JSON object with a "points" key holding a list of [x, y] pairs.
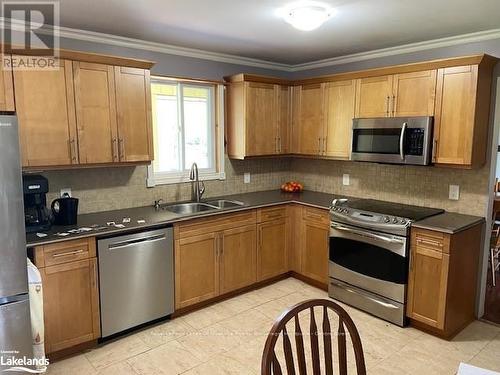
{"points": [[187, 129]]}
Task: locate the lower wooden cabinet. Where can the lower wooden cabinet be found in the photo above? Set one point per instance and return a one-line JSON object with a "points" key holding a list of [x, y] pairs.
{"points": [[443, 278], [70, 293], [214, 256], [272, 248], [196, 269], [314, 233], [238, 258]]}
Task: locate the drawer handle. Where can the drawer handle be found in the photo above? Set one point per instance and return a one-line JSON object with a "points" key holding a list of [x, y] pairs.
{"points": [[429, 242], [75, 252], [314, 216], [272, 216]]}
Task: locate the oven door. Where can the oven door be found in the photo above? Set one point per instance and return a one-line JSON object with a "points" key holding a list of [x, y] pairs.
{"points": [[370, 260]]}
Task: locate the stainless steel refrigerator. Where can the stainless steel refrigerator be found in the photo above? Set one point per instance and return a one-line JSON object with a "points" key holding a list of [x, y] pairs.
{"points": [[15, 324]]}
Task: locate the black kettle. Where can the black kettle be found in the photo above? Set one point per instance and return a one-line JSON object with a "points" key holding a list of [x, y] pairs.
{"points": [[65, 210]]}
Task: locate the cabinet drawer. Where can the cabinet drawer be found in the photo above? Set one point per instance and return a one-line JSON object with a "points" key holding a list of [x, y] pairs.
{"points": [[272, 213], [316, 215], [65, 252], [214, 224], [430, 240]]}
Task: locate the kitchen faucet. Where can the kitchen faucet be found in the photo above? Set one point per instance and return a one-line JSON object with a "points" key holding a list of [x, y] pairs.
{"points": [[196, 190]]}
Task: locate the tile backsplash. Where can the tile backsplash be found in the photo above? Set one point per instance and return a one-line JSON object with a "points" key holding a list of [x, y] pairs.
{"points": [[101, 189], [421, 186]]}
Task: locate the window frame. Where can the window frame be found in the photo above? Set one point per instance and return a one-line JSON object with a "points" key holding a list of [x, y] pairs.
{"points": [[216, 100]]}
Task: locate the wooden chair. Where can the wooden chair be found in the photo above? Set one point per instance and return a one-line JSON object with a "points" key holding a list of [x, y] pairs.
{"points": [[270, 362]]}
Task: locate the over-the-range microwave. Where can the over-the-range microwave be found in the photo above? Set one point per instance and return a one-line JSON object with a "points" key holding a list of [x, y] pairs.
{"points": [[394, 140]]}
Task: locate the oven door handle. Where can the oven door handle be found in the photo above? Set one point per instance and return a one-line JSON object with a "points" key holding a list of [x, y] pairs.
{"points": [[402, 141], [366, 234]]}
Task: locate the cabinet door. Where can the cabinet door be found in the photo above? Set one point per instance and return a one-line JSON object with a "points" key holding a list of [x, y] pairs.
{"points": [[272, 248], [339, 108], [311, 119], [46, 113], [196, 269], [284, 119], [414, 94], [95, 112], [133, 105], [373, 96], [261, 118], [454, 115], [238, 266], [6, 86], [427, 286], [71, 304], [314, 249]]}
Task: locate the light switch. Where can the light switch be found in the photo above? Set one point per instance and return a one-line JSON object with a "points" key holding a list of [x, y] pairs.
{"points": [[345, 180], [246, 177], [454, 193]]}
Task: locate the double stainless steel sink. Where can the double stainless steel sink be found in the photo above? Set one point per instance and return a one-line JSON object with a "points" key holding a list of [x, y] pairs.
{"points": [[196, 207]]}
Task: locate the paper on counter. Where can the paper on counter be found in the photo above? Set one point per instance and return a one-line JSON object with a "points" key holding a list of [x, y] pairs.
{"points": [[41, 235]]}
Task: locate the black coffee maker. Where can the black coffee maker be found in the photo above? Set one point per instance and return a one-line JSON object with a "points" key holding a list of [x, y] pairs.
{"points": [[37, 217]]}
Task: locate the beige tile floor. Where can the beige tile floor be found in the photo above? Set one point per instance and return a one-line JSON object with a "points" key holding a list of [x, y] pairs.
{"points": [[228, 338]]}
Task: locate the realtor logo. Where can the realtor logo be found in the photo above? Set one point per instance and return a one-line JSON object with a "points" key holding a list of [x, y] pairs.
{"points": [[30, 28]]}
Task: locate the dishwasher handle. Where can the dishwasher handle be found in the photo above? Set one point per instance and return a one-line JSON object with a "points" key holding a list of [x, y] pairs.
{"points": [[135, 241]]}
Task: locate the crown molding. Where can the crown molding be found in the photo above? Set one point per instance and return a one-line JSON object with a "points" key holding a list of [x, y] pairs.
{"points": [[115, 40], [400, 50]]}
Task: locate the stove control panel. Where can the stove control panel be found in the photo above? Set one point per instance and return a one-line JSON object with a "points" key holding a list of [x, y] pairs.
{"points": [[343, 213]]}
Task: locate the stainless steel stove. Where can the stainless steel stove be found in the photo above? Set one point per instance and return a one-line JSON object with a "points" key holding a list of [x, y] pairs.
{"points": [[369, 254]]}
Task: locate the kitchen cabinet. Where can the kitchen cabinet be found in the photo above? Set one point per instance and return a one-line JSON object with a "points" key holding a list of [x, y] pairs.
{"points": [[238, 258], [442, 279], [6, 86], [133, 106], [196, 269], [398, 95], [95, 113], [309, 101], [84, 112], [214, 256], [462, 111], [45, 107], [70, 293], [339, 108], [314, 234], [258, 117], [273, 241], [373, 95]]}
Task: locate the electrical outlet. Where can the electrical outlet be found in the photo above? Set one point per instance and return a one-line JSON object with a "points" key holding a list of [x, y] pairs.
{"points": [[345, 180], [454, 193], [65, 191], [246, 177]]}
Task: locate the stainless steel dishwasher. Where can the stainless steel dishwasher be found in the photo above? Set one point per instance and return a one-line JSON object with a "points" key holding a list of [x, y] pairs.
{"points": [[136, 279]]}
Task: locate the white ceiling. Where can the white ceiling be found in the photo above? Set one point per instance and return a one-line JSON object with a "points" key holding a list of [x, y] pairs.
{"points": [[251, 29]]}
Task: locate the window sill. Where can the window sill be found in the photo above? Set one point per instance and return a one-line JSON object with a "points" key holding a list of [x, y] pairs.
{"points": [[158, 179]]}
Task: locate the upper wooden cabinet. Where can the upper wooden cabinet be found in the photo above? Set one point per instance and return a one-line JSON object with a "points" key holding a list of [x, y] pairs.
{"points": [[373, 96], [133, 104], [414, 94], [339, 107], [84, 113], [45, 107], [461, 120], [258, 118], [308, 124], [6, 87], [405, 94], [95, 113]]}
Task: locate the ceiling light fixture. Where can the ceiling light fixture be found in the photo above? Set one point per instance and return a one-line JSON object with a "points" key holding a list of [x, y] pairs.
{"points": [[306, 15]]}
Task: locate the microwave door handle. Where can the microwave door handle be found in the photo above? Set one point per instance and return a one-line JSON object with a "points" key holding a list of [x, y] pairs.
{"points": [[402, 141]]}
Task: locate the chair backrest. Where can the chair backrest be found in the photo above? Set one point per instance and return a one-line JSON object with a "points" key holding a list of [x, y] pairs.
{"points": [[270, 362]]}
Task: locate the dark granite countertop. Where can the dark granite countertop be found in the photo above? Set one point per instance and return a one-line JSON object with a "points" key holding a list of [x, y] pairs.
{"points": [[449, 222], [96, 223]]}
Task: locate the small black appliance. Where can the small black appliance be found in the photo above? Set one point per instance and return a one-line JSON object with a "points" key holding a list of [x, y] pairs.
{"points": [[37, 216]]}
